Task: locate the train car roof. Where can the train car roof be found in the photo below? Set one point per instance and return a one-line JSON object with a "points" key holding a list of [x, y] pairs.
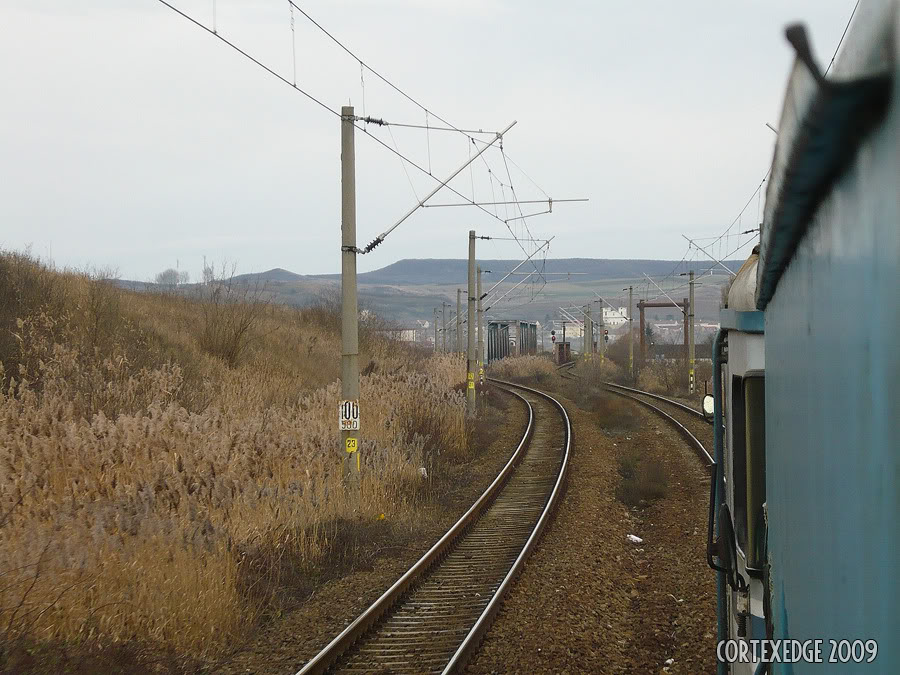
{"points": [[822, 125]]}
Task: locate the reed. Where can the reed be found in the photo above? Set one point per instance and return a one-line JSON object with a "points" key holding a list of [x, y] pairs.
{"points": [[154, 492]]}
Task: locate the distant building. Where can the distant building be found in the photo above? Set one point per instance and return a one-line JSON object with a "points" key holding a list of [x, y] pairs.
{"points": [[615, 317]]}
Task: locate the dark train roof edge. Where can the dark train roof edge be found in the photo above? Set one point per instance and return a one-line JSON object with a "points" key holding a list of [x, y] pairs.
{"points": [[823, 123]]}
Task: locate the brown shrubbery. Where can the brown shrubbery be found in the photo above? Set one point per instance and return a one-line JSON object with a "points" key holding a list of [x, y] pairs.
{"points": [[534, 369], [643, 480], [156, 488]]}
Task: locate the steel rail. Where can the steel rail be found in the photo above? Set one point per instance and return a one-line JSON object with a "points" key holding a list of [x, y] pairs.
{"points": [[634, 394], [677, 404], [431, 560], [692, 440], [473, 639]]}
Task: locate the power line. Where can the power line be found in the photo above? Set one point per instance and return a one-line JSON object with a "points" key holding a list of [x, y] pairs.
{"points": [[843, 35], [259, 63], [312, 98], [386, 123], [520, 201], [741, 213], [373, 71]]}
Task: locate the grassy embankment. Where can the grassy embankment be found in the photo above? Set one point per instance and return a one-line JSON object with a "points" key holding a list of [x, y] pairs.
{"points": [[167, 463]]}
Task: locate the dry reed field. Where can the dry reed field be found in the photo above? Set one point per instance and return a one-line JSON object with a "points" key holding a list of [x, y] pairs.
{"points": [[534, 368], [166, 460]]}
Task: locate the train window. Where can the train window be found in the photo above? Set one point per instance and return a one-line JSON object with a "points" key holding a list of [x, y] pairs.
{"points": [[755, 434], [739, 460]]}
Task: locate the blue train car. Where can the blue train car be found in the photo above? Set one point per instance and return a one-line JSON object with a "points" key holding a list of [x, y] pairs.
{"points": [[806, 504]]}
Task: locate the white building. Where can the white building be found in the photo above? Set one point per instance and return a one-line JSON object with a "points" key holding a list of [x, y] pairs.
{"points": [[613, 318]]}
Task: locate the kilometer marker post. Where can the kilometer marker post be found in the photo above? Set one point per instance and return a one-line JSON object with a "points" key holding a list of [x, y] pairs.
{"points": [[349, 424]]}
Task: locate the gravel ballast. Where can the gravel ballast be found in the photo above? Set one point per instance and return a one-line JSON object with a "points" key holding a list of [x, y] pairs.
{"points": [[590, 600]]}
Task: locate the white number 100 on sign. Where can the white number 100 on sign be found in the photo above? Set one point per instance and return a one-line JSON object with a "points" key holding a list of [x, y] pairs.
{"points": [[349, 415]]}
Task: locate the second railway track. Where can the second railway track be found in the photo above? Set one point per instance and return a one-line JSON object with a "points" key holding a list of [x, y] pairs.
{"points": [[690, 422], [434, 617]]}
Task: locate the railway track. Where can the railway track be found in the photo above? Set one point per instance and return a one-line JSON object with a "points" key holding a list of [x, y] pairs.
{"points": [[434, 617], [689, 435], [691, 423]]}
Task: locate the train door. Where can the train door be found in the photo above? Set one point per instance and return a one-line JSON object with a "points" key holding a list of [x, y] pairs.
{"points": [[743, 516]]}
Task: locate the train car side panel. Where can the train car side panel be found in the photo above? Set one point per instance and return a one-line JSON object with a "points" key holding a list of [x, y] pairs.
{"points": [[833, 393]]}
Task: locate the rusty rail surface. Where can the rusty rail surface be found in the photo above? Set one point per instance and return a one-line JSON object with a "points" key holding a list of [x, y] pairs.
{"points": [[434, 617]]}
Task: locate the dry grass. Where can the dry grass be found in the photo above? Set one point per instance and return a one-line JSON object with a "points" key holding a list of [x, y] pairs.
{"points": [[642, 480], [599, 370], [535, 369], [153, 493], [668, 377]]}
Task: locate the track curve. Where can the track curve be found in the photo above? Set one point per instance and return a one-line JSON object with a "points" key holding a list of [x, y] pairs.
{"points": [[434, 617]]}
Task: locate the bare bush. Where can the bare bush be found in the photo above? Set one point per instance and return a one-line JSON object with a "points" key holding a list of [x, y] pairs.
{"points": [[664, 376], [172, 277], [231, 311], [642, 480], [535, 369]]}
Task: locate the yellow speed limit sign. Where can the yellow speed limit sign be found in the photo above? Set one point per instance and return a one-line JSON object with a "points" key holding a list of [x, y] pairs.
{"points": [[352, 445]]}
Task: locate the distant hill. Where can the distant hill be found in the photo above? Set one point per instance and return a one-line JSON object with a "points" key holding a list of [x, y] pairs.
{"points": [[440, 271], [411, 289], [276, 274]]}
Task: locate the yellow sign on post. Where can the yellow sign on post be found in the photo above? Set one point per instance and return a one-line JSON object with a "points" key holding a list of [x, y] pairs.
{"points": [[471, 378], [352, 445]]}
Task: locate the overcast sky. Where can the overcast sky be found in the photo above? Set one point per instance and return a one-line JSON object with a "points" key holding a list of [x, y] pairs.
{"points": [[131, 138]]}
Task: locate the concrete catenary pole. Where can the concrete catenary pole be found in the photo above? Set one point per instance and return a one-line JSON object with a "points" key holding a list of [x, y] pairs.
{"points": [[630, 333], [349, 307], [685, 331], [588, 333], [470, 338], [444, 326], [435, 329], [601, 335], [691, 331], [480, 331], [459, 321]]}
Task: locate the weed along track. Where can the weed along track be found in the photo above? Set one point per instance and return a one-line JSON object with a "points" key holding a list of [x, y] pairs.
{"points": [[689, 422], [434, 617]]}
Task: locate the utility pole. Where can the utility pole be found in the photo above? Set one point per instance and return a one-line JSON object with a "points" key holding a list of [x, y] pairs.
{"points": [[459, 321], [435, 329], [588, 333], [349, 408], [691, 330], [601, 334], [470, 337], [630, 334], [685, 329], [480, 332], [444, 327]]}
